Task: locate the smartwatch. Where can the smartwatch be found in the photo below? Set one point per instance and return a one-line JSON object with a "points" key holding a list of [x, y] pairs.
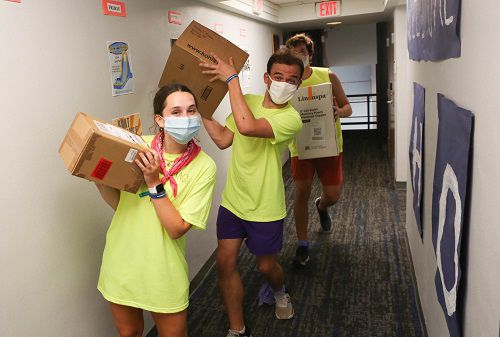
{"points": [[158, 189], [157, 192]]}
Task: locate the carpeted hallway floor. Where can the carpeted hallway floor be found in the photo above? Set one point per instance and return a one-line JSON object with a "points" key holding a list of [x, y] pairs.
{"points": [[359, 281]]}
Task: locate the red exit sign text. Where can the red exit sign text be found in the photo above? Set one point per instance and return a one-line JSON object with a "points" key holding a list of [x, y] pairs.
{"points": [[327, 8]]}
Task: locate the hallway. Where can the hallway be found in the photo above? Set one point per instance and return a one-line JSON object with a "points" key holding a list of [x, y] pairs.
{"points": [[359, 281]]}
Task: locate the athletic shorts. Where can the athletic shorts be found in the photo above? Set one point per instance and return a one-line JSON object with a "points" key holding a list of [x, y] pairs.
{"points": [[262, 238], [329, 169]]}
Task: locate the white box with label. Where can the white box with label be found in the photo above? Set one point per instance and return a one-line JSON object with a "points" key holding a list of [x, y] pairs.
{"points": [[318, 137]]}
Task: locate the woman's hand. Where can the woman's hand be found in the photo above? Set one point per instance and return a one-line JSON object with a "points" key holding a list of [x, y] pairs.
{"points": [[149, 163], [221, 70]]}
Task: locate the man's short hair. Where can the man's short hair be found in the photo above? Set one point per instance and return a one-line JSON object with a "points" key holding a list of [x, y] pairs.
{"points": [[284, 56], [297, 39]]}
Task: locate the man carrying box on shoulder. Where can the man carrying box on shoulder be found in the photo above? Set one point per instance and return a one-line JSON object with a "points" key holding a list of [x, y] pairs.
{"points": [[253, 200], [329, 169]]}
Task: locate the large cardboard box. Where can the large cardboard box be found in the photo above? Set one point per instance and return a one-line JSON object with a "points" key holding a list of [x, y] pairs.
{"points": [[101, 152], [318, 137], [193, 47]]}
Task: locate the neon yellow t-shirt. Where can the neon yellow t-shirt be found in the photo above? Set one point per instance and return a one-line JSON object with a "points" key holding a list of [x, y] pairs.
{"points": [[141, 265], [318, 76], [254, 188]]}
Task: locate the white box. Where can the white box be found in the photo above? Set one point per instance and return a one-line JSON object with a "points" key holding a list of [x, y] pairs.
{"points": [[318, 137]]}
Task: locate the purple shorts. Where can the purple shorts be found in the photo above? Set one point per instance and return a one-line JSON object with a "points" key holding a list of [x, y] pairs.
{"points": [[262, 238]]}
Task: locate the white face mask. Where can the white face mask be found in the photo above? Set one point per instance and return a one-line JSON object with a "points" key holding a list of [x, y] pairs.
{"points": [[182, 129], [281, 92]]}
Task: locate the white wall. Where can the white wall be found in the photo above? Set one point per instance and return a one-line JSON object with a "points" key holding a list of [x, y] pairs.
{"points": [[472, 82], [351, 45], [402, 112], [54, 63]]}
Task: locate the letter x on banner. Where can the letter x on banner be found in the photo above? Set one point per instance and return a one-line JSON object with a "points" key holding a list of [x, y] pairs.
{"points": [[449, 204], [417, 152]]}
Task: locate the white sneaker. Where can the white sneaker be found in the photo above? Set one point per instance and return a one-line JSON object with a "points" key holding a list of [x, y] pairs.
{"points": [[283, 309]]}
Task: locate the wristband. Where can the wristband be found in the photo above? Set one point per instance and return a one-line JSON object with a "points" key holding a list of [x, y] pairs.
{"points": [[157, 195], [230, 78]]}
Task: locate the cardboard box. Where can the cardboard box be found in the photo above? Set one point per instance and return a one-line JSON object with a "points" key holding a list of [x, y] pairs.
{"points": [[193, 47], [101, 152], [318, 137], [130, 123]]}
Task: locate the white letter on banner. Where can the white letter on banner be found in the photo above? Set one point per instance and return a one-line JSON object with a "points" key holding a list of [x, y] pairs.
{"points": [[417, 160], [447, 21], [450, 182]]}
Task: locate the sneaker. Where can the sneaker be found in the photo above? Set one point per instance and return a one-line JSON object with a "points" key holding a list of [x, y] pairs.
{"points": [[233, 333], [283, 309], [301, 256], [324, 218]]}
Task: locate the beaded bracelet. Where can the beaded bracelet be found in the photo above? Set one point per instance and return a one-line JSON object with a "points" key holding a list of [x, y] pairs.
{"points": [[231, 77]]}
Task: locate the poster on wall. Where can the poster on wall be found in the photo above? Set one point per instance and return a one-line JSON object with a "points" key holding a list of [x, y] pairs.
{"points": [[449, 197], [120, 67], [417, 152], [433, 29], [245, 76]]}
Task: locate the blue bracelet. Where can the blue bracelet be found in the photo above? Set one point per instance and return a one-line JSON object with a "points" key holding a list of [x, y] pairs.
{"points": [[157, 195], [231, 77]]}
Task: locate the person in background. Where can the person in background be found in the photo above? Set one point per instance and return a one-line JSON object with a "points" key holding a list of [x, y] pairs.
{"points": [[144, 265], [328, 169], [253, 201]]}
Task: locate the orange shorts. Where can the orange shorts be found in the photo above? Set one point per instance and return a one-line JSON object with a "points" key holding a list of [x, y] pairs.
{"points": [[329, 169]]}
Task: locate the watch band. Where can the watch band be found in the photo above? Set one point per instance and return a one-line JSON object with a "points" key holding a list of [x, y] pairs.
{"points": [[158, 189]]}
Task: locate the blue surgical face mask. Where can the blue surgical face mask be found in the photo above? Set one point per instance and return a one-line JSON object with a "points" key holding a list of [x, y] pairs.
{"points": [[182, 129]]}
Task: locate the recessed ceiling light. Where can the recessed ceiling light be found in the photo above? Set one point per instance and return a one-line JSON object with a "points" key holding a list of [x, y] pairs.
{"points": [[334, 23]]}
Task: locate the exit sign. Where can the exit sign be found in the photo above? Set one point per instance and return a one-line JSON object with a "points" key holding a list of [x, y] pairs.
{"points": [[327, 8]]}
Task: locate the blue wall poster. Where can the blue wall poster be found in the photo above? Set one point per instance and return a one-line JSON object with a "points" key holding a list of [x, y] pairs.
{"points": [[416, 152], [433, 29], [449, 204]]}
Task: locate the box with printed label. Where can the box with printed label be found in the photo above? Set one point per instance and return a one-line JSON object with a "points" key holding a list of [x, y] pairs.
{"points": [[130, 123], [318, 137], [193, 47], [104, 153]]}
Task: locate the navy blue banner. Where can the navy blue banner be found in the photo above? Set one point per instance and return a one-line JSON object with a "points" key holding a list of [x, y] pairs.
{"points": [[433, 29], [448, 204], [417, 152]]}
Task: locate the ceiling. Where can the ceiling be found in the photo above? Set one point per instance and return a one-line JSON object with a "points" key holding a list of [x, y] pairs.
{"points": [[301, 14]]}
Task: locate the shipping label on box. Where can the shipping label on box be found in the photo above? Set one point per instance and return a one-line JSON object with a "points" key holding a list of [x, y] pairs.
{"points": [[101, 152], [193, 47], [130, 123], [318, 137]]}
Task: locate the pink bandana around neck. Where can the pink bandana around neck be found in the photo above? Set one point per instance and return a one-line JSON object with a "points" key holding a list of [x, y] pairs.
{"points": [[180, 162]]}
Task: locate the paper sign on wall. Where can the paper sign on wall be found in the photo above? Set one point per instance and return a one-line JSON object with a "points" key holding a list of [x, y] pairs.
{"points": [[115, 8], [449, 207], [174, 17], [434, 29], [258, 7], [416, 153], [120, 67], [219, 28]]}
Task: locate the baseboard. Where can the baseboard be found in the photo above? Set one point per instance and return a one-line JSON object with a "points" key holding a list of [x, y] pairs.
{"points": [[202, 274], [417, 295], [194, 285], [400, 185]]}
